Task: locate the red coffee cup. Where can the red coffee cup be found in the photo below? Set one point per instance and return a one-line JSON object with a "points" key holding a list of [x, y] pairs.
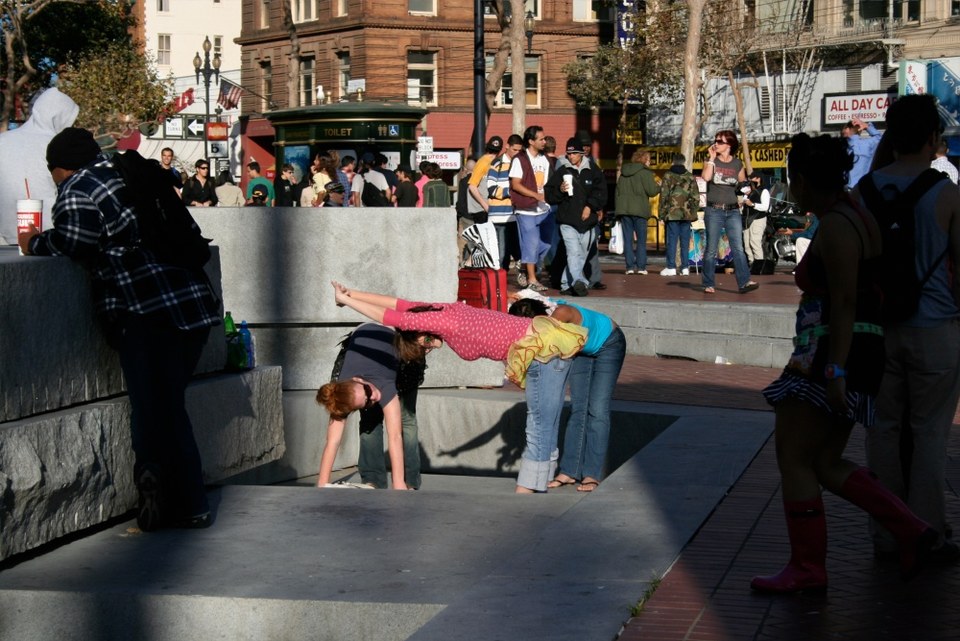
{"points": [[29, 212]]}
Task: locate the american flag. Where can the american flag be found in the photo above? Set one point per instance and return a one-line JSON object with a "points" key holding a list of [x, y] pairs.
{"points": [[229, 94]]}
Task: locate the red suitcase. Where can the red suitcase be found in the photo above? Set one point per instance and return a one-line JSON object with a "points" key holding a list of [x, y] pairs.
{"points": [[486, 288]]}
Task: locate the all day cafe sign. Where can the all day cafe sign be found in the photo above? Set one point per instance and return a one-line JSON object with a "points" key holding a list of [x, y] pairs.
{"points": [[841, 108]]}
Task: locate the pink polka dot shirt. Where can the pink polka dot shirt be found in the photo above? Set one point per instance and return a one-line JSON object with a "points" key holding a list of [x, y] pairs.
{"points": [[470, 332]]}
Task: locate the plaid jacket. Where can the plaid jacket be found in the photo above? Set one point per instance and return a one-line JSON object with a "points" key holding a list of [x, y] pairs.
{"points": [[92, 226]]}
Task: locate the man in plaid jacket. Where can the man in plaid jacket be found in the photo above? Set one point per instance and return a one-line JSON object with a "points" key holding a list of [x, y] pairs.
{"points": [[156, 315]]}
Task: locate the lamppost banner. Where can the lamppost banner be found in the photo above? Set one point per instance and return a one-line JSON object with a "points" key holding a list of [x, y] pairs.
{"points": [[626, 15]]}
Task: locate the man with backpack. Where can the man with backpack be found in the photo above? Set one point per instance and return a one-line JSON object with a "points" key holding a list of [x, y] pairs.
{"points": [[156, 312], [918, 211]]}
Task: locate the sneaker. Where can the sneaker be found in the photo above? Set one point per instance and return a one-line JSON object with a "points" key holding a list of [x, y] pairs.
{"points": [[521, 279], [568, 292], [149, 513], [630, 271], [669, 271], [749, 287], [537, 287], [685, 272], [579, 288], [598, 286], [642, 272], [196, 522]]}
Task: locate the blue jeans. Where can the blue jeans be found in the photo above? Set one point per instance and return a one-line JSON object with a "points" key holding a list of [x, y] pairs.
{"points": [[577, 246], [546, 384], [592, 381], [371, 462], [716, 220], [635, 258], [536, 236], [678, 231], [157, 364]]}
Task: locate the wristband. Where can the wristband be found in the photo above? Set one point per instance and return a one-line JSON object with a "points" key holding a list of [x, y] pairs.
{"points": [[833, 371]]}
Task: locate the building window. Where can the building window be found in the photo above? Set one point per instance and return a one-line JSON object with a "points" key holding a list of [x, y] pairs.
{"points": [[594, 11], [422, 6], [217, 46], [264, 14], [163, 6], [955, 8], [529, 5], [163, 49], [266, 85], [421, 78], [343, 74], [307, 86], [303, 10], [531, 65], [341, 7]]}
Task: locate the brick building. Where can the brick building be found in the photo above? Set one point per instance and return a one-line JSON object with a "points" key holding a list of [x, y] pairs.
{"points": [[417, 51]]}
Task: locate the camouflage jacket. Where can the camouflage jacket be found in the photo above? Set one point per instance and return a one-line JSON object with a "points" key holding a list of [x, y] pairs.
{"points": [[679, 196]]}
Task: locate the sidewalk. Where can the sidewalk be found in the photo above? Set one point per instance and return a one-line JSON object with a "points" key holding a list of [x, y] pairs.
{"points": [[706, 595]]}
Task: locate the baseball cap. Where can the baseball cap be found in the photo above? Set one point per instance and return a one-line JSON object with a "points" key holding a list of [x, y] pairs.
{"points": [[334, 187], [495, 144], [259, 192]]}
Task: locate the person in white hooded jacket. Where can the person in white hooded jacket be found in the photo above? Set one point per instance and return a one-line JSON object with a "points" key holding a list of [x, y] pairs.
{"points": [[23, 159]]}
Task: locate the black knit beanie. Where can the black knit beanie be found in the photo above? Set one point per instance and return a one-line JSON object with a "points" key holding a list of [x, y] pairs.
{"points": [[72, 148]]}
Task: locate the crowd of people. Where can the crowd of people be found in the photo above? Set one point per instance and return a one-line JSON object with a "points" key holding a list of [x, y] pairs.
{"points": [[864, 351]]}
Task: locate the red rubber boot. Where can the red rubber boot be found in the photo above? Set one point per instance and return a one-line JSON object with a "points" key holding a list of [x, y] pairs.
{"points": [[806, 571], [915, 536]]}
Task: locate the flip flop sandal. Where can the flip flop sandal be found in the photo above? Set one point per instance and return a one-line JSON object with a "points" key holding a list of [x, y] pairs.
{"points": [[555, 483], [588, 486]]}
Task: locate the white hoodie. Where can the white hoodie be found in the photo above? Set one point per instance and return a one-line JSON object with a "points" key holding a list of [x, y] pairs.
{"points": [[23, 156]]}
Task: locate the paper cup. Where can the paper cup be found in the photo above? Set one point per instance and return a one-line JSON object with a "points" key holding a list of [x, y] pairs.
{"points": [[29, 212], [568, 178]]}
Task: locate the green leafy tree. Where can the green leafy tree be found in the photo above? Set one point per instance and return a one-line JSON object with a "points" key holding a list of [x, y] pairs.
{"points": [[645, 72], [117, 89], [39, 36]]}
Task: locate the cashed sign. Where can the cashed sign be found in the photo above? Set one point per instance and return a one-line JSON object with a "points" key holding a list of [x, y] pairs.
{"points": [[763, 155], [839, 109]]}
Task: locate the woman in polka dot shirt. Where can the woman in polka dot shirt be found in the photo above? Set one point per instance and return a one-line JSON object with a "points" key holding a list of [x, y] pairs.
{"points": [[538, 353]]}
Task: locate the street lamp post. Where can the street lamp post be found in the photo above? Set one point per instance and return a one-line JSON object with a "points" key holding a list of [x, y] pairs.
{"points": [[528, 24], [204, 67]]}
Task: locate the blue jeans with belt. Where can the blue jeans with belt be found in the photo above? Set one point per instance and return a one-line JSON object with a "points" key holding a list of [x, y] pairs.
{"points": [[546, 385], [592, 381], [716, 220]]}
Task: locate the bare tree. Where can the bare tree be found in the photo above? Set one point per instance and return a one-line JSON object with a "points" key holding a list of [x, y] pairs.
{"points": [[293, 59], [518, 66]]}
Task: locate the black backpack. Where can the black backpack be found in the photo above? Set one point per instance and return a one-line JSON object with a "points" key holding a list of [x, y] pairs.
{"points": [[371, 196], [166, 227], [898, 271], [463, 197]]}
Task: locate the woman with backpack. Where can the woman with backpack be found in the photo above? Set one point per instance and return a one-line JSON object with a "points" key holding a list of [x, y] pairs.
{"points": [[832, 377]]}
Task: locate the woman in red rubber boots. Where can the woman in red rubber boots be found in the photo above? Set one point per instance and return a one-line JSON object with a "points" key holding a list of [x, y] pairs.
{"points": [[833, 374]]}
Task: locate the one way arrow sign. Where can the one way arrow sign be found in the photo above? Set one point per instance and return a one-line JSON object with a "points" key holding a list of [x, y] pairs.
{"points": [[195, 128]]}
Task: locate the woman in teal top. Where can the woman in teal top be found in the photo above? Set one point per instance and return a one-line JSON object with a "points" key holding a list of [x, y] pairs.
{"points": [[593, 377]]}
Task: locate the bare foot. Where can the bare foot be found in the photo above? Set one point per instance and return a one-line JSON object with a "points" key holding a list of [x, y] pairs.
{"points": [[523, 490]]}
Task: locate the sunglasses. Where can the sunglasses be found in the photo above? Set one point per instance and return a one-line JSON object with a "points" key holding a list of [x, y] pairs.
{"points": [[204, 167], [720, 141], [368, 392]]}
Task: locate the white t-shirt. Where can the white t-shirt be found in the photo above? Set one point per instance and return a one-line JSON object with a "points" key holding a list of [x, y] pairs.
{"points": [[541, 166]]}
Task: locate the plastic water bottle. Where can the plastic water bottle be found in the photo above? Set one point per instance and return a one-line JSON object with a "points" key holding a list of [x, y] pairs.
{"points": [[247, 338]]}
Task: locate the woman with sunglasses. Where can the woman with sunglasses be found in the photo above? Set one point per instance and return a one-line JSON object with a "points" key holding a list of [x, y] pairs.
{"points": [[722, 172], [537, 351], [380, 374]]}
